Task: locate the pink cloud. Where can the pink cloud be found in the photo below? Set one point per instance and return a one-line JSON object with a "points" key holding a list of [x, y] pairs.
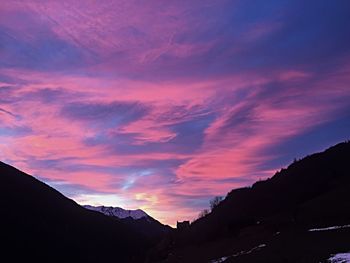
{"points": [[226, 153]]}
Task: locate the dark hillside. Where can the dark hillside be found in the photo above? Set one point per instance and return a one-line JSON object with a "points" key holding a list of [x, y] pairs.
{"points": [[39, 224], [310, 193]]}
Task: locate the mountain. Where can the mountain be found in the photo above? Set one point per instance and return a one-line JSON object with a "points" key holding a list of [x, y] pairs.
{"points": [[301, 214], [137, 219], [118, 212], [39, 224], [270, 221]]}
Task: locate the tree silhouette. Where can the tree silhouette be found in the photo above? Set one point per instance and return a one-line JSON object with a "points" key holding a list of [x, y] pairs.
{"points": [[215, 201], [203, 213]]}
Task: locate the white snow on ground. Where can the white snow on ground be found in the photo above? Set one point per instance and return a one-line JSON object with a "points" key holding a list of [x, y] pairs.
{"points": [[223, 259], [219, 260], [340, 258], [328, 228], [249, 251]]}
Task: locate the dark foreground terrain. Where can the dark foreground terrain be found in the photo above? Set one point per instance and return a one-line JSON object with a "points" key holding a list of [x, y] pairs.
{"points": [[38, 224], [268, 222]]}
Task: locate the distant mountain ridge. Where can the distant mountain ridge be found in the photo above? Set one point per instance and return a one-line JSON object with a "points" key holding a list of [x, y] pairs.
{"points": [[136, 219], [39, 224], [118, 212]]}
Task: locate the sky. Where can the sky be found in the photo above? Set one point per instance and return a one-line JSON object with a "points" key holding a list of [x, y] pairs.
{"points": [[162, 105]]}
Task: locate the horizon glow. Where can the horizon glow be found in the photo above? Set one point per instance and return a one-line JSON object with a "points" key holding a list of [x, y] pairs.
{"points": [[163, 105]]}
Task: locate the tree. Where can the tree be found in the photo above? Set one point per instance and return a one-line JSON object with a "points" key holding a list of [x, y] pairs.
{"points": [[204, 213], [215, 201]]}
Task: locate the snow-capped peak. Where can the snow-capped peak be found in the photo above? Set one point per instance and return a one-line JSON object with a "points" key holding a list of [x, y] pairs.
{"points": [[117, 211]]}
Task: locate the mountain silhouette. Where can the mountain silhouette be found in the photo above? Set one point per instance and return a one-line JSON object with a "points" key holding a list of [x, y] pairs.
{"points": [[271, 219], [301, 214], [39, 224], [137, 219], [118, 212]]}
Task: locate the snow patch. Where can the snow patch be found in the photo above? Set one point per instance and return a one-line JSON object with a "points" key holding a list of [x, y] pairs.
{"points": [[118, 212], [219, 260], [249, 251], [328, 228], [340, 258], [223, 259]]}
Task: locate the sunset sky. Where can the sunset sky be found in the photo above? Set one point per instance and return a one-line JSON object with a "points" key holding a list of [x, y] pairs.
{"points": [[161, 105]]}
